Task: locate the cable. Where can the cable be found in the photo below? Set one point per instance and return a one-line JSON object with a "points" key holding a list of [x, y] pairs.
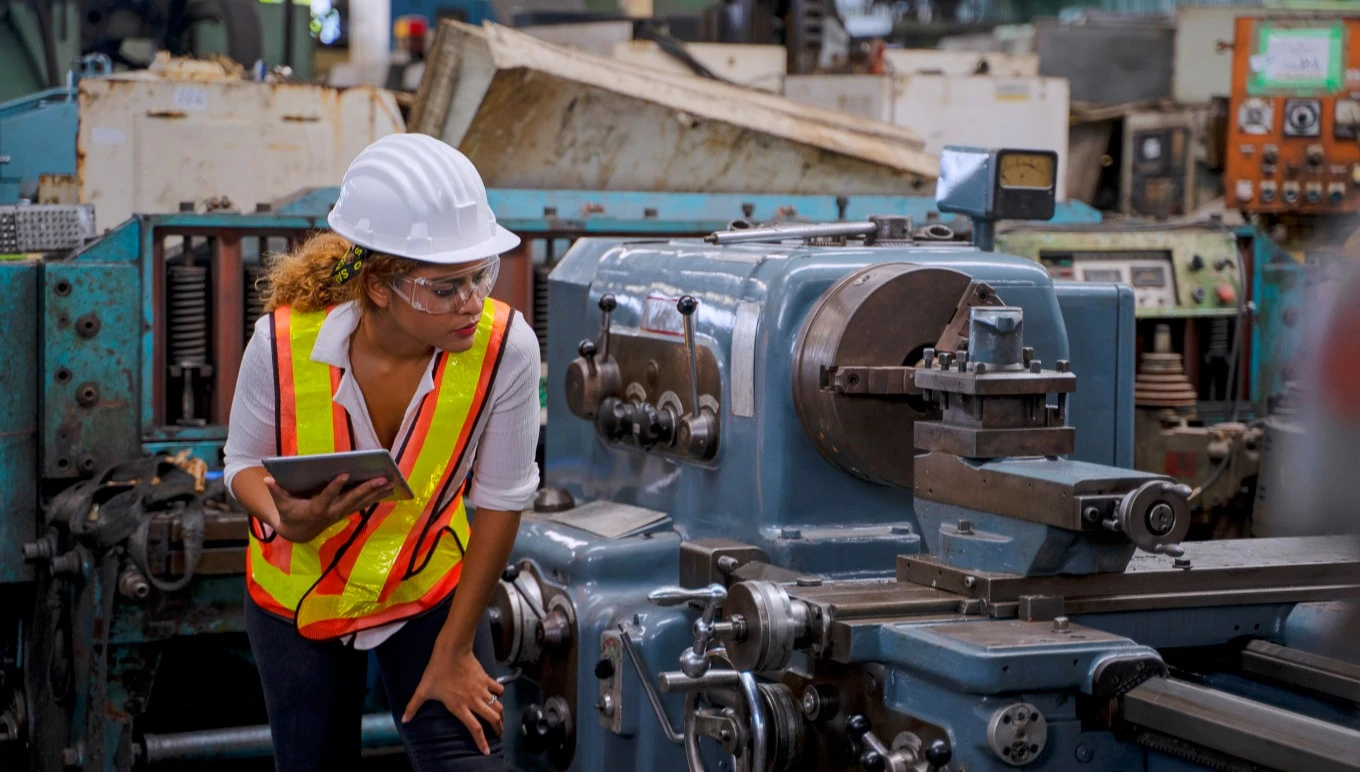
{"points": [[1234, 371]]}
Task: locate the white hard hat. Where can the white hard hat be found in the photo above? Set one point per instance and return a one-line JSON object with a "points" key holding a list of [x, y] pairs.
{"points": [[412, 196]]}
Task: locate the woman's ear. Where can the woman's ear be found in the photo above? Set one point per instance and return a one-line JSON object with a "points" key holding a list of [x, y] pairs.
{"points": [[378, 291]]}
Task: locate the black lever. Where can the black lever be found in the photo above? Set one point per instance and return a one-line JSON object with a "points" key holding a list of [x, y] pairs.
{"points": [[607, 305], [699, 429]]}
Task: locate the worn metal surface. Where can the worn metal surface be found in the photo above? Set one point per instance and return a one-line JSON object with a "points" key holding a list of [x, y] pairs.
{"points": [[1248, 730], [531, 114], [91, 325], [248, 142], [20, 282]]}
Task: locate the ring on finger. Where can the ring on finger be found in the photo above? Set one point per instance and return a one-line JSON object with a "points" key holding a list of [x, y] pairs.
{"points": [[491, 701]]}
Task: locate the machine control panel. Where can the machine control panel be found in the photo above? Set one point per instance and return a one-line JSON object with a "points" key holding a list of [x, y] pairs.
{"points": [[1294, 120], [1175, 271]]}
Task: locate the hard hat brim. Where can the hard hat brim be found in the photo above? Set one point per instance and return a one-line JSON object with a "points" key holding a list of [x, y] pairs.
{"points": [[501, 241]]}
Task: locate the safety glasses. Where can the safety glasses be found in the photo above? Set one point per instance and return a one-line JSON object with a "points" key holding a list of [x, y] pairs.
{"points": [[445, 295]]}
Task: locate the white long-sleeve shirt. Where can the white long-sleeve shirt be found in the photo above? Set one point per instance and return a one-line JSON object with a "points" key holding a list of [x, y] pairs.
{"points": [[504, 475]]}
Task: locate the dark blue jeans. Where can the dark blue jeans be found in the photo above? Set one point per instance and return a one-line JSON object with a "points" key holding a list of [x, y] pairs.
{"points": [[314, 695]]}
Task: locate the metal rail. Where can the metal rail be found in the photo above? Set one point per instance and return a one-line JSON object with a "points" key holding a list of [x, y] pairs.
{"points": [[1323, 675], [1252, 731], [379, 730]]}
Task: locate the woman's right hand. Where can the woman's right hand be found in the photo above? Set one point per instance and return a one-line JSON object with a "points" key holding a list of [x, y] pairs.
{"points": [[301, 520]]}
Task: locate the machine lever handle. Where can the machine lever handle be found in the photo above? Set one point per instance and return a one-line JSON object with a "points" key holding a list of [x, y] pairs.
{"points": [[687, 305], [607, 305], [674, 596]]}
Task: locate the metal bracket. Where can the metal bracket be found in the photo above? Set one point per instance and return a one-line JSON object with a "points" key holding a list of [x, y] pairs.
{"points": [[876, 381]]}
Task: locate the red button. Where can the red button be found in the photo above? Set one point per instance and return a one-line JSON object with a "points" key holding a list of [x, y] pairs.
{"points": [[1227, 295]]}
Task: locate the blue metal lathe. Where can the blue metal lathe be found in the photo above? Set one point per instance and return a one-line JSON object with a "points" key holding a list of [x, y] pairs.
{"points": [[847, 496]]}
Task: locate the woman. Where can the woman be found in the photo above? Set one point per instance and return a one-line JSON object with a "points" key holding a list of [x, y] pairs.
{"points": [[382, 335]]}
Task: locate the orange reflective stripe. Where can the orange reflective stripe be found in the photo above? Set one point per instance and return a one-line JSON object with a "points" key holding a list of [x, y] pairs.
{"points": [[286, 406], [339, 417]]}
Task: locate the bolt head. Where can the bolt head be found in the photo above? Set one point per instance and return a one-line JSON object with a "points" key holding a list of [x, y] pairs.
{"points": [[1161, 519], [1062, 625], [965, 526], [970, 582]]}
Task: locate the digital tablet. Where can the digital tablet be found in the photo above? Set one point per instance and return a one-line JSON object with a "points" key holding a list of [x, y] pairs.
{"points": [[306, 476]]}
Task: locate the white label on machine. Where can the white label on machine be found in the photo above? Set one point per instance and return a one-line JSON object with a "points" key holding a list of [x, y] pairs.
{"points": [[191, 98], [102, 135], [1012, 92], [1297, 57], [660, 316]]}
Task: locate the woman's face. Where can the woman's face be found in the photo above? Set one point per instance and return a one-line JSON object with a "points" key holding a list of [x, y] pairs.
{"points": [[438, 305]]}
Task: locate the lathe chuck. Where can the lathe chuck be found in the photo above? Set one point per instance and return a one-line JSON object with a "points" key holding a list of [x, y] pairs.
{"points": [[880, 316]]}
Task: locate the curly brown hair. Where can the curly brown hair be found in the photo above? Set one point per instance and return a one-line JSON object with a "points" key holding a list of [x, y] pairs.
{"points": [[302, 279]]}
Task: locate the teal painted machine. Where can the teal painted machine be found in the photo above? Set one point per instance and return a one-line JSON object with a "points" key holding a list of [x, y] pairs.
{"points": [[849, 497]]}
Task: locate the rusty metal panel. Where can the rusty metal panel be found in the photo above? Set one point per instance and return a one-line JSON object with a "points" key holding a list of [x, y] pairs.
{"points": [[147, 143], [92, 324], [533, 115]]}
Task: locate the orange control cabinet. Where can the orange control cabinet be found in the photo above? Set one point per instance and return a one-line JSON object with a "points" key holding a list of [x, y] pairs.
{"points": [[1294, 122]]}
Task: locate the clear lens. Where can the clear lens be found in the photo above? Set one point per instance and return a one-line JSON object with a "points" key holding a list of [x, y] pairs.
{"points": [[446, 295]]}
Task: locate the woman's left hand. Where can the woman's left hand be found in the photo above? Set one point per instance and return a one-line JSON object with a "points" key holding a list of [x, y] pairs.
{"points": [[458, 680]]}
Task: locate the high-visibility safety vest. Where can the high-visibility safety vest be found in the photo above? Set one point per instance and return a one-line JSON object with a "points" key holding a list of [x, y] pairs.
{"points": [[395, 559]]}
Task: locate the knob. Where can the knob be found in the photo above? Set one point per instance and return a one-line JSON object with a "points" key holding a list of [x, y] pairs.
{"points": [[607, 303], [1196, 263], [1270, 155], [615, 420], [604, 668], [539, 728], [857, 726], [586, 349], [652, 426], [1198, 294], [939, 754], [510, 574], [872, 761]]}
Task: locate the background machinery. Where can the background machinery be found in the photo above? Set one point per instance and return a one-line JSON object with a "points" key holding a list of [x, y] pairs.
{"points": [[889, 473]]}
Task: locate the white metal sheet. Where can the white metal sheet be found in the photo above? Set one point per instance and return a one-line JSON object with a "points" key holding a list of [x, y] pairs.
{"points": [[761, 67], [147, 143], [548, 117], [906, 61]]}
